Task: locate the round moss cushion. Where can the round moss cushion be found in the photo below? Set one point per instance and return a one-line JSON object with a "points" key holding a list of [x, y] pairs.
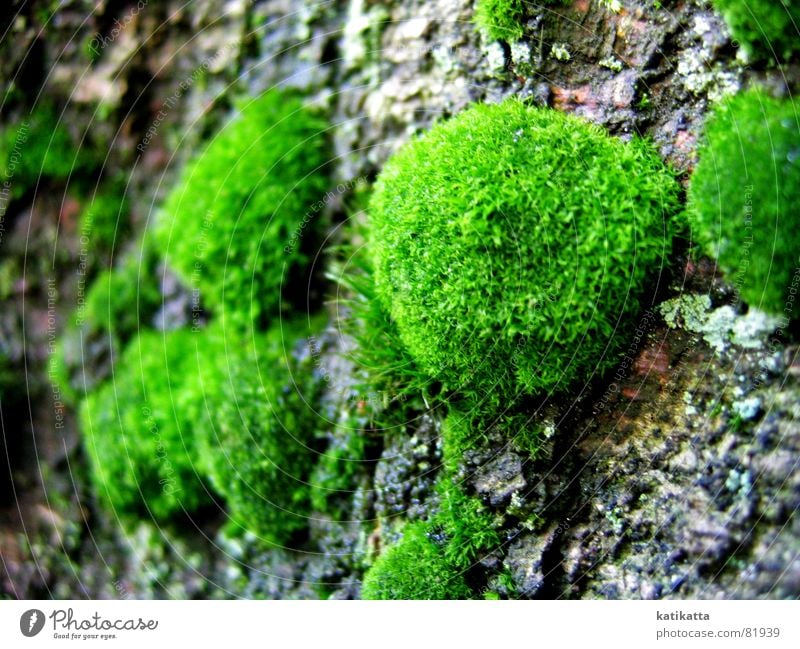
{"points": [[513, 246]]}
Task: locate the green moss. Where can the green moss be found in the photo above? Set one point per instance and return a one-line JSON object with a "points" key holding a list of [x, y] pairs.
{"points": [[237, 225], [389, 380], [744, 195], [501, 19], [465, 429], [60, 367], [257, 403], [10, 272], [766, 29], [433, 559], [187, 406], [455, 438], [40, 148], [468, 527], [105, 221], [512, 246], [139, 438], [124, 299], [414, 568], [335, 474]]}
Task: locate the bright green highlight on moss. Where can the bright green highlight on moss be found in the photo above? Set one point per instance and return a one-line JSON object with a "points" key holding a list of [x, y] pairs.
{"points": [[256, 443], [139, 439], [227, 226], [512, 246], [433, 559], [502, 19], [414, 568], [186, 406], [124, 299], [765, 28], [745, 194], [226, 404]]}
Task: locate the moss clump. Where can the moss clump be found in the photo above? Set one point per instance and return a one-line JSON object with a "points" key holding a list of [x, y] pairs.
{"points": [[513, 244], [257, 402], [744, 195], [502, 19], [235, 227], [187, 406], [122, 300], [414, 568], [139, 438], [467, 526], [434, 558], [765, 28]]}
